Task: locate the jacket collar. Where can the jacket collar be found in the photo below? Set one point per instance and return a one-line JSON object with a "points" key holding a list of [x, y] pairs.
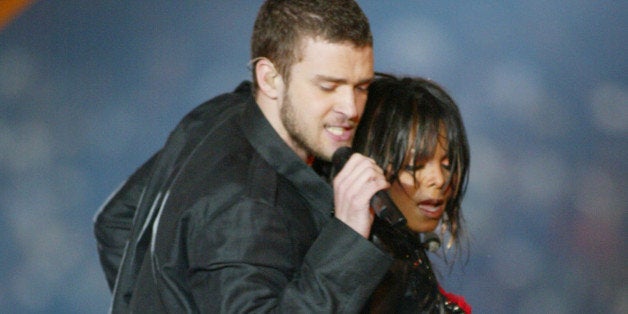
{"points": [[265, 140]]}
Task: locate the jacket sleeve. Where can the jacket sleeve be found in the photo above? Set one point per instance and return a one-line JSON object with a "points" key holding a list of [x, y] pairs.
{"points": [[113, 221], [254, 266]]}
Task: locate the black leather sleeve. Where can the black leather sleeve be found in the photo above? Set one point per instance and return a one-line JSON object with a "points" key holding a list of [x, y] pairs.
{"points": [[113, 221]]}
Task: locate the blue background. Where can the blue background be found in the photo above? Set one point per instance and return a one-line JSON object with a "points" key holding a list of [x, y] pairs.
{"points": [[90, 89]]}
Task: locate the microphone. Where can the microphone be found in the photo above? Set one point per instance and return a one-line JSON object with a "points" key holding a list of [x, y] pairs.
{"points": [[431, 241], [381, 203]]}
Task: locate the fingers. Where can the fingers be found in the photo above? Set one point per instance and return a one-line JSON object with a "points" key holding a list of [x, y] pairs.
{"points": [[359, 173], [354, 186]]}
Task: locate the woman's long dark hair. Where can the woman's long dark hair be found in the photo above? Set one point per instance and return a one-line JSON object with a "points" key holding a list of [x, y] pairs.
{"points": [[401, 110]]}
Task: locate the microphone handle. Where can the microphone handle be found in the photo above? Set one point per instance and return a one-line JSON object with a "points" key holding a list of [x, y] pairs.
{"points": [[386, 210]]}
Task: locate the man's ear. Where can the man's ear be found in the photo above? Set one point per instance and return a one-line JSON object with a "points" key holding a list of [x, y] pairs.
{"points": [[269, 81]]}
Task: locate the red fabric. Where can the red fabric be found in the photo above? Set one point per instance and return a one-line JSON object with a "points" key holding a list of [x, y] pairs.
{"points": [[458, 299]]}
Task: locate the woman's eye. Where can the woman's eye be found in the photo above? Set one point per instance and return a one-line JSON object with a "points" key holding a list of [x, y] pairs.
{"points": [[413, 168], [446, 166]]}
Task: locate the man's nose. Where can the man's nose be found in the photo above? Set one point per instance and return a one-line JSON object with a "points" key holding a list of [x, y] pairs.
{"points": [[346, 103]]}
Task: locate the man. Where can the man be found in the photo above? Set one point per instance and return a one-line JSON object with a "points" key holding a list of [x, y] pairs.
{"points": [[228, 216]]}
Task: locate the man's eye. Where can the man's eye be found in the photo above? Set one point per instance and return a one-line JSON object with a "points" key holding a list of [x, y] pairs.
{"points": [[327, 87], [362, 88]]}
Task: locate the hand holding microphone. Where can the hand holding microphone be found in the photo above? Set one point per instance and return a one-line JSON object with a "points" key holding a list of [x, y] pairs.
{"points": [[363, 178]]}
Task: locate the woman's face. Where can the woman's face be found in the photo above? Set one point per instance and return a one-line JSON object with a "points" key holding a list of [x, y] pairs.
{"points": [[419, 190]]}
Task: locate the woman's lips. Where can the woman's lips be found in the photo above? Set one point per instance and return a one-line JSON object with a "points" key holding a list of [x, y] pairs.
{"points": [[432, 208]]}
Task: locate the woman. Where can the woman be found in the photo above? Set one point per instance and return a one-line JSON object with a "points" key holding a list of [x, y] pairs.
{"points": [[414, 131]]}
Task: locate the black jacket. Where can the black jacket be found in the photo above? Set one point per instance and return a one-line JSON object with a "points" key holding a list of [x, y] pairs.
{"points": [[226, 218]]}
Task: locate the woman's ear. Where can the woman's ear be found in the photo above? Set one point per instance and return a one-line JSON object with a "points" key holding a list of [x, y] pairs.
{"points": [[269, 81]]}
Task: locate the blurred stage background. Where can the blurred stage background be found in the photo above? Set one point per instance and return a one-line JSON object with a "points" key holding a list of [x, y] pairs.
{"points": [[90, 89]]}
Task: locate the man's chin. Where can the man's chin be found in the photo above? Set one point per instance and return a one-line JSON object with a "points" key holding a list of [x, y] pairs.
{"points": [[322, 154], [327, 150]]}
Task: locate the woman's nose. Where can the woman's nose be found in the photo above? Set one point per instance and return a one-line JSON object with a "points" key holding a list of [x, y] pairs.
{"points": [[433, 175]]}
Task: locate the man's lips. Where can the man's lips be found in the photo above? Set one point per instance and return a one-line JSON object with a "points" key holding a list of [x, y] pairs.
{"points": [[340, 133]]}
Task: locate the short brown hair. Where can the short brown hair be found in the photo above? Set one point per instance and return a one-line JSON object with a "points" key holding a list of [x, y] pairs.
{"points": [[281, 25]]}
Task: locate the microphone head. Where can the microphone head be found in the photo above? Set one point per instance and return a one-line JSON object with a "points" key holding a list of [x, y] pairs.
{"points": [[340, 157]]}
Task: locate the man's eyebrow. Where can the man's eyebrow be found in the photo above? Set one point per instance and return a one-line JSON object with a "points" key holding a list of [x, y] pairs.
{"points": [[325, 78]]}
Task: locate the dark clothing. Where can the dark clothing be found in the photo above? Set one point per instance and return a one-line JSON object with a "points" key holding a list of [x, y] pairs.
{"points": [[410, 285], [229, 219]]}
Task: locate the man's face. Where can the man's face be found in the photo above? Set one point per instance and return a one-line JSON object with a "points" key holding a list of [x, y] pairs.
{"points": [[325, 97]]}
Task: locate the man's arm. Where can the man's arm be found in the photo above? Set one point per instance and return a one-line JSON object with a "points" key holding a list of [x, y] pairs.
{"points": [[253, 256], [253, 265], [113, 221]]}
